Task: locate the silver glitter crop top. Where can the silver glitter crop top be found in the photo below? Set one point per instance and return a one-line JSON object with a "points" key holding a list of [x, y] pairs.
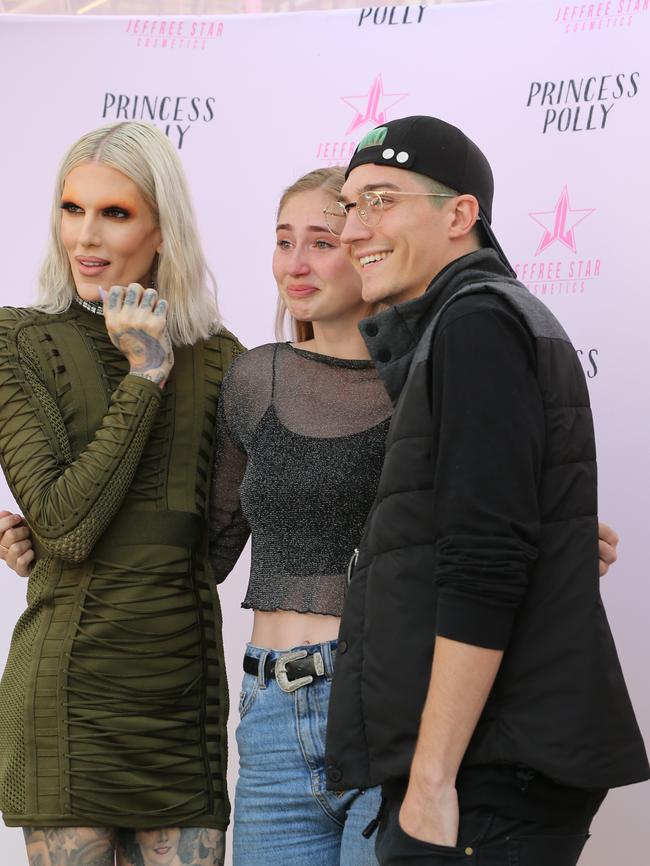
{"points": [[300, 444]]}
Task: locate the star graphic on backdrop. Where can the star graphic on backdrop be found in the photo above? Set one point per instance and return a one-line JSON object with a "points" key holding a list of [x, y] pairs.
{"points": [[372, 106], [558, 224]]}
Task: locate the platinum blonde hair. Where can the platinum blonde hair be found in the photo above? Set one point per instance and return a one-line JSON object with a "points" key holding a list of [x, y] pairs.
{"points": [[330, 180], [145, 155]]}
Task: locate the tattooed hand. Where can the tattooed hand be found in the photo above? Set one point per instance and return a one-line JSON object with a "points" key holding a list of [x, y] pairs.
{"points": [[136, 321]]}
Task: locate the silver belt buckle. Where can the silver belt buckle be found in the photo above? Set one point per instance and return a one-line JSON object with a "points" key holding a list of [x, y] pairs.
{"points": [[281, 670]]}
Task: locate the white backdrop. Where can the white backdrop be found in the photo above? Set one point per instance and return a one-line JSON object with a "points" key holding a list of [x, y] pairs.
{"points": [[557, 97]]}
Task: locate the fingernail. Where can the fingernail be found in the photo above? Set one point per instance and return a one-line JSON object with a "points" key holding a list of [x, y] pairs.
{"points": [[102, 294], [16, 518]]}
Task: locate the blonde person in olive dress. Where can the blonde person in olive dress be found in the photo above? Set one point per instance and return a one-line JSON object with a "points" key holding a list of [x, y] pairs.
{"points": [[113, 700]]}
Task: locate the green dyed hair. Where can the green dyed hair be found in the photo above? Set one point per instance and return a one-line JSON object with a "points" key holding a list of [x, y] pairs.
{"points": [[375, 136]]}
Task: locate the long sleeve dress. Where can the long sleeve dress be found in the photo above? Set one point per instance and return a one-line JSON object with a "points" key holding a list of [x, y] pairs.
{"points": [[113, 701]]}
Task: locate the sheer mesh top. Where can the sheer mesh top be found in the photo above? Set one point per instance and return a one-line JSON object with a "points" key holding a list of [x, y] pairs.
{"points": [[299, 452]]}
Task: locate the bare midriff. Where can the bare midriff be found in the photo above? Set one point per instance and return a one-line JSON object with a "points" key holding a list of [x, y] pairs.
{"points": [[284, 629]]}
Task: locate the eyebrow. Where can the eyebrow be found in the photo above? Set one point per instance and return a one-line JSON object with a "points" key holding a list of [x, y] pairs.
{"points": [[288, 227], [72, 199], [369, 187]]}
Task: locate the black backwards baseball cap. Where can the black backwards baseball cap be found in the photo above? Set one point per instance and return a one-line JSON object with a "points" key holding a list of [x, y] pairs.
{"points": [[438, 150]]}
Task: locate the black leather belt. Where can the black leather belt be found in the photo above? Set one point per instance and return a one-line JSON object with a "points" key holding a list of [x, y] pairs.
{"points": [[291, 670]]}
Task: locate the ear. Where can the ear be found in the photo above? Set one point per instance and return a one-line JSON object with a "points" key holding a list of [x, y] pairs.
{"points": [[464, 216], [159, 248]]}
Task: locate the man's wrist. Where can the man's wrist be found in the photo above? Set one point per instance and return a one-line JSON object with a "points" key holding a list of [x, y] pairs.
{"points": [[430, 814], [431, 777]]}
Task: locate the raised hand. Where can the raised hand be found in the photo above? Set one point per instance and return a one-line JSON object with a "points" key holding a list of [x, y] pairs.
{"points": [[136, 321], [16, 543]]}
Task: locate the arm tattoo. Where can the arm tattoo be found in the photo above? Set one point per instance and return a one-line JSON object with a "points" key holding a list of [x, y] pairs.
{"points": [[158, 378]]}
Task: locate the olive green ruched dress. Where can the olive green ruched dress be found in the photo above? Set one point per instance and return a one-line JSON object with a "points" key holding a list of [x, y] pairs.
{"points": [[113, 702]]}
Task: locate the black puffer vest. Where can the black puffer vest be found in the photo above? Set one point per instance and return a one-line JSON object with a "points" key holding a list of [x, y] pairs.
{"points": [[559, 704]]}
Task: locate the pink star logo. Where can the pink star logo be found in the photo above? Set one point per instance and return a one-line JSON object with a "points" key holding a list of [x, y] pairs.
{"points": [[558, 224], [372, 106]]}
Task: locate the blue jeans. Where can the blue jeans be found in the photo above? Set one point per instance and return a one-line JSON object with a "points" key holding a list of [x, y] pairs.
{"points": [[284, 814]]}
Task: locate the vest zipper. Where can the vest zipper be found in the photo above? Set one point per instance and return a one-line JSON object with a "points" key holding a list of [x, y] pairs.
{"points": [[351, 565]]}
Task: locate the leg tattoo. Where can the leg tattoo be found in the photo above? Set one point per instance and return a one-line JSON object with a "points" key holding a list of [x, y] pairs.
{"points": [[171, 846], [70, 846]]}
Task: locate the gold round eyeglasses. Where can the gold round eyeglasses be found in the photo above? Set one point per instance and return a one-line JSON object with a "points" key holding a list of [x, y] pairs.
{"points": [[370, 208]]}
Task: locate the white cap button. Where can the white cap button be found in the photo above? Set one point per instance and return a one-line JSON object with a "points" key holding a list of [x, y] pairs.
{"points": [[389, 153], [402, 156]]}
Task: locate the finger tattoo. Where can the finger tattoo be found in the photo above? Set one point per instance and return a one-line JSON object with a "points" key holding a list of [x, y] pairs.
{"points": [[148, 298]]}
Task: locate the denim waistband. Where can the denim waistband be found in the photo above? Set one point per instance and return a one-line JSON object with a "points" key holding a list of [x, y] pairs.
{"points": [[327, 649]]}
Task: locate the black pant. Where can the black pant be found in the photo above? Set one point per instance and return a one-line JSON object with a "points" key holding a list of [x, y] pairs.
{"points": [[484, 839]]}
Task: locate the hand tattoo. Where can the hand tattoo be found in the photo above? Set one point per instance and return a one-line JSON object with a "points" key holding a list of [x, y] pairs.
{"points": [[144, 351]]}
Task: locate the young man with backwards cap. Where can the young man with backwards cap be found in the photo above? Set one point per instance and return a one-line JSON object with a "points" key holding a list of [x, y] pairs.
{"points": [[476, 676]]}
